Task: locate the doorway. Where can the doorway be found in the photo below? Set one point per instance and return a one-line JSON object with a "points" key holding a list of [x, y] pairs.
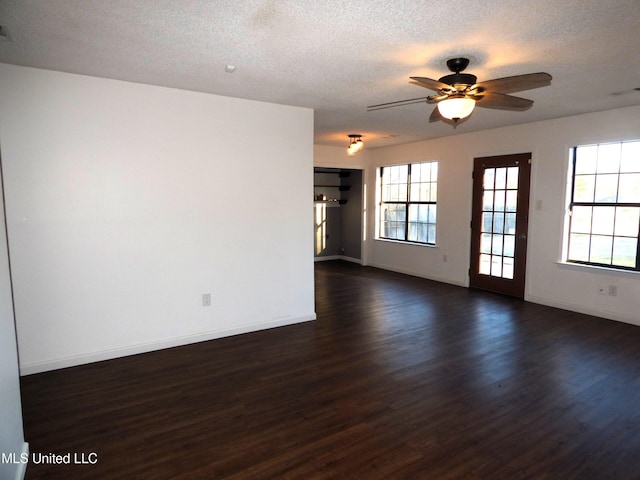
{"points": [[499, 223]]}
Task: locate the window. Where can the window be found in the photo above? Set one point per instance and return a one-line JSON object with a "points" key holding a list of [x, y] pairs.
{"points": [[408, 202], [605, 205]]}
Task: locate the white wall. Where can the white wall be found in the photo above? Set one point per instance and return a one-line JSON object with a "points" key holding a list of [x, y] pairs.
{"points": [[11, 432], [548, 281], [127, 202]]}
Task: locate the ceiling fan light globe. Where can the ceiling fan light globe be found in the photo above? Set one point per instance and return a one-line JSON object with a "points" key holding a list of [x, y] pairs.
{"points": [[456, 108]]}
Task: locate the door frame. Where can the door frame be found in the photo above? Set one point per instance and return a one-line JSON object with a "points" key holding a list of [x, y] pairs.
{"points": [[515, 287]]}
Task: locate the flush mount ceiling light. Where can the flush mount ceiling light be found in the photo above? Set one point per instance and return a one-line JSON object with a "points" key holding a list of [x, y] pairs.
{"points": [[355, 144]]}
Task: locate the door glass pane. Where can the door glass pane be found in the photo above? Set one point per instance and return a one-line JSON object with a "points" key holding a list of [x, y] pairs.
{"points": [[496, 266], [485, 265], [512, 201], [499, 201], [485, 243], [507, 267], [487, 200], [509, 245], [510, 223], [496, 248], [488, 179], [512, 177], [498, 222], [501, 178], [487, 222]]}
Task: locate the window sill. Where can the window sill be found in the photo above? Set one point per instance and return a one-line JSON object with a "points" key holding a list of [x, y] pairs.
{"points": [[403, 242], [579, 267]]}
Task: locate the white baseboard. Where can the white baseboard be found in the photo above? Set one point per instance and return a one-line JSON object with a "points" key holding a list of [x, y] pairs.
{"points": [[55, 364], [21, 469], [573, 307], [435, 278], [337, 257]]}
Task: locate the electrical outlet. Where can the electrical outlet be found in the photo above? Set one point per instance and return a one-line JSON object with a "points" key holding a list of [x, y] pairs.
{"points": [[613, 290], [444, 258], [206, 299]]}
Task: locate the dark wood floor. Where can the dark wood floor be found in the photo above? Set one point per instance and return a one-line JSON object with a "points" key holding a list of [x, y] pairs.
{"points": [[399, 378]]}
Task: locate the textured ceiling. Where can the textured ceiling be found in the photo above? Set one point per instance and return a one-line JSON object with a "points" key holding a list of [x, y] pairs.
{"points": [[338, 56]]}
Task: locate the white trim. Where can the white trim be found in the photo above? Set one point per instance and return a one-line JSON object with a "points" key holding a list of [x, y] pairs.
{"points": [[37, 367], [420, 275], [574, 307], [21, 471], [337, 257]]}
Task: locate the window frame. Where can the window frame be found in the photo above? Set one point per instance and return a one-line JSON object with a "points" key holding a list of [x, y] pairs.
{"points": [[572, 204], [407, 203]]}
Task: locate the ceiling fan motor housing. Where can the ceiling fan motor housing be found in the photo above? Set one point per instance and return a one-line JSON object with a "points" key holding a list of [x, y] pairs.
{"points": [[459, 79]]}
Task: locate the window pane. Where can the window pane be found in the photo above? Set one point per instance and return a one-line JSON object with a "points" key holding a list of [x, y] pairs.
{"points": [[625, 251], [603, 218], [586, 159], [431, 233], [584, 188], [601, 249], [423, 213], [413, 213], [630, 161], [432, 214], [434, 192], [579, 247], [413, 231], [606, 188], [405, 220], [581, 220], [609, 158], [627, 219], [629, 188]]}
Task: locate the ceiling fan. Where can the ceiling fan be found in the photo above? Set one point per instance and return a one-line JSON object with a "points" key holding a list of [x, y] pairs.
{"points": [[458, 93]]}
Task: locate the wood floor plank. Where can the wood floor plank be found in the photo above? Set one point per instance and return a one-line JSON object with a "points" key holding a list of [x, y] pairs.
{"points": [[399, 378]]}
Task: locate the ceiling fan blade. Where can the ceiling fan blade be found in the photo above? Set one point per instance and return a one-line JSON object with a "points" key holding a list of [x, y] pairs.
{"points": [[435, 115], [430, 83], [517, 83], [502, 102], [399, 103]]}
